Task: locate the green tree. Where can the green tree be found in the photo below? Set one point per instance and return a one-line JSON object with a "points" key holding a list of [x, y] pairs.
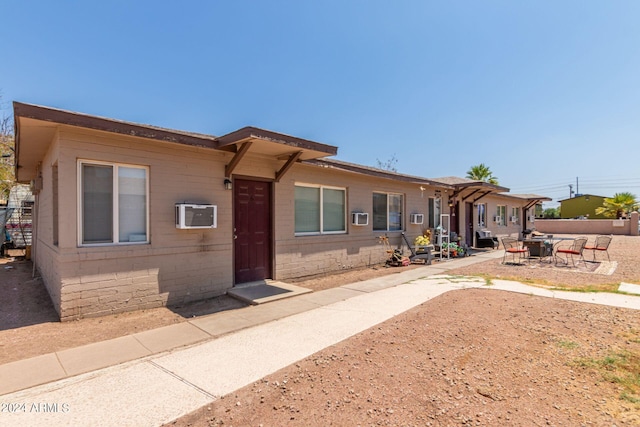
{"points": [[7, 156], [551, 213], [482, 172], [618, 205]]}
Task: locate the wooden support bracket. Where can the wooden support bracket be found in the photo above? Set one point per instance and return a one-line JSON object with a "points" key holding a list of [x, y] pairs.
{"points": [[228, 169], [283, 170]]}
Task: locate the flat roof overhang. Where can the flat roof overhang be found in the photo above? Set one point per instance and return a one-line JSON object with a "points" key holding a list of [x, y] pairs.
{"points": [[36, 126], [271, 144], [530, 199]]}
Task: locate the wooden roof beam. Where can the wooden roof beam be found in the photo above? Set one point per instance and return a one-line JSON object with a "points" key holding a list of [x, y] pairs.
{"points": [[228, 169]]}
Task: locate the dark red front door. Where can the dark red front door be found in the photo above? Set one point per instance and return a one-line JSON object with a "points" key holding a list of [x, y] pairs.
{"points": [[252, 230]]}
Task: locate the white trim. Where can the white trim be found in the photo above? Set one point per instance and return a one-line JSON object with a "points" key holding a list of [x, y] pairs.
{"points": [[115, 225], [321, 187]]}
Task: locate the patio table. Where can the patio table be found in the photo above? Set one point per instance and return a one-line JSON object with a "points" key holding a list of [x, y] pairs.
{"points": [[543, 247]]}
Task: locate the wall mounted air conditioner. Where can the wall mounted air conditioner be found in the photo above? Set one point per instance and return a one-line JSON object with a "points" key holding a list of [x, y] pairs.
{"points": [[196, 216], [359, 218], [416, 218]]}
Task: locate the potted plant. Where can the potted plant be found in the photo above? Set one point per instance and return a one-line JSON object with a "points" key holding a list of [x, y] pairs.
{"points": [[423, 240]]}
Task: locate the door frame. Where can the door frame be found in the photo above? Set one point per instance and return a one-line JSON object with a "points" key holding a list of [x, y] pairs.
{"points": [[270, 182], [469, 224]]}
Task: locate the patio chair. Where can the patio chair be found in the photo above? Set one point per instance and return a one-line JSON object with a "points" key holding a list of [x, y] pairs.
{"points": [[512, 246], [601, 244], [485, 240], [575, 250]]}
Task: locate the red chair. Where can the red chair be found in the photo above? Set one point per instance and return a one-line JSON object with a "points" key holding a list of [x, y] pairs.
{"points": [[601, 244], [512, 246], [575, 250]]}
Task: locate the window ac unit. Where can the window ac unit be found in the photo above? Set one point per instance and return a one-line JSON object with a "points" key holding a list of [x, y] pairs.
{"points": [[416, 219], [359, 218], [196, 216]]}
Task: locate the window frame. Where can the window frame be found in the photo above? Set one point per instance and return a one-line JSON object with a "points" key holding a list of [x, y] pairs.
{"points": [[482, 215], [501, 212], [515, 212], [321, 231], [402, 211], [115, 203], [435, 210]]}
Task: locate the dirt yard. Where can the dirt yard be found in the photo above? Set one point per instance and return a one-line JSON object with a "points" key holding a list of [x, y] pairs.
{"points": [[474, 357]]}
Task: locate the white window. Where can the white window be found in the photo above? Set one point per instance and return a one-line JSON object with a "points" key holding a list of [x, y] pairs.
{"points": [[320, 210], [501, 217], [113, 205], [515, 215], [434, 212], [387, 212], [482, 215]]}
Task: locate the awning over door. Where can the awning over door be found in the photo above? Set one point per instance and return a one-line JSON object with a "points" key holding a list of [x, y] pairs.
{"points": [[279, 146]]}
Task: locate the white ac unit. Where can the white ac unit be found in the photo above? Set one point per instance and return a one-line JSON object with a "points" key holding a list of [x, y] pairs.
{"points": [[359, 218], [497, 219], [416, 218], [196, 216]]}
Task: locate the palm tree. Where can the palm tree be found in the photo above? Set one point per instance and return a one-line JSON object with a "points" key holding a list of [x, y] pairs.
{"points": [[482, 172], [618, 205]]}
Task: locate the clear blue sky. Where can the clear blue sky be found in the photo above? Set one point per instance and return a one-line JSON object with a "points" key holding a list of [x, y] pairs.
{"points": [[540, 91]]}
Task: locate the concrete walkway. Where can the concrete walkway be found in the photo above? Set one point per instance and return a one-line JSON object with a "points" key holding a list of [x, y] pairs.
{"points": [[154, 377]]}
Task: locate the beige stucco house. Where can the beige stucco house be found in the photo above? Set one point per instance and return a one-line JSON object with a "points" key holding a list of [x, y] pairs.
{"points": [[131, 216]]}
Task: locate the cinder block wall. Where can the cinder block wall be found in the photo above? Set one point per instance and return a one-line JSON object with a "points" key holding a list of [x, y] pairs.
{"points": [[299, 256], [176, 266]]}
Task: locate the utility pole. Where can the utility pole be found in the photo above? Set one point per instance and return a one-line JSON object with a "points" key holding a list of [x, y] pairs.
{"points": [[570, 190], [577, 188]]}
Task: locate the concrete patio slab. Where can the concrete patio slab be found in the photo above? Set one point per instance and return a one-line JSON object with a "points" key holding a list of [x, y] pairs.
{"points": [[34, 371], [101, 354], [172, 336], [264, 291]]}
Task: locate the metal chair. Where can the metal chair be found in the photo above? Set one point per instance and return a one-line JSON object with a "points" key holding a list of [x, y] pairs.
{"points": [[572, 251], [601, 244], [512, 246]]}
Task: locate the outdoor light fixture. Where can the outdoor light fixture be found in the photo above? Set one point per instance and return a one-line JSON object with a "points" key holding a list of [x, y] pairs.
{"points": [[227, 184]]}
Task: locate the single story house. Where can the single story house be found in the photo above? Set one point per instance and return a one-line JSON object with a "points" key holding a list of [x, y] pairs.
{"points": [[130, 216], [583, 205]]}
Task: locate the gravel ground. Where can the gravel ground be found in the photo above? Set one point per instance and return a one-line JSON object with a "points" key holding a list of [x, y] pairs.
{"points": [[473, 357]]}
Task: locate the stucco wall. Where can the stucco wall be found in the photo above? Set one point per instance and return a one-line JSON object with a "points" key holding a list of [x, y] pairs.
{"points": [[627, 227], [501, 230]]}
